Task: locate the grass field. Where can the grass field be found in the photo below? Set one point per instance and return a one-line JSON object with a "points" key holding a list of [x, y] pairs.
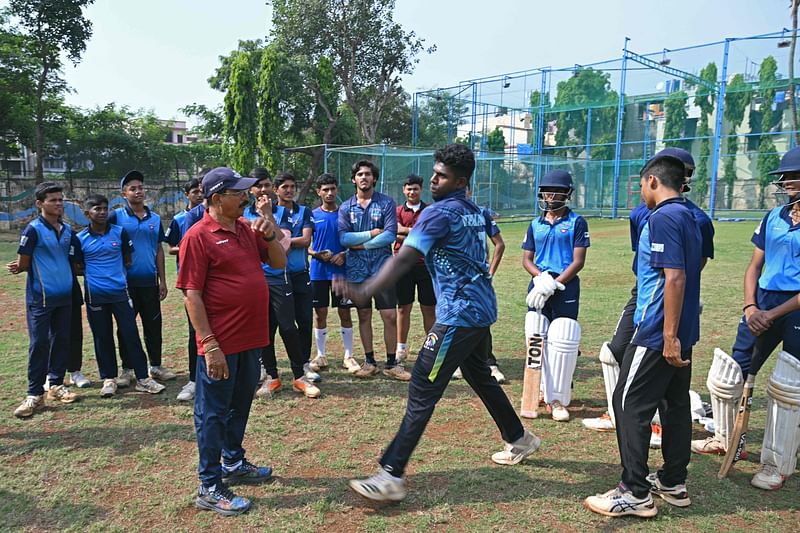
{"points": [[129, 463]]}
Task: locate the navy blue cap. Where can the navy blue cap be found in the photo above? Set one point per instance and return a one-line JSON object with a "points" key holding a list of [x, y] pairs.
{"points": [[130, 176], [790, 162], [557, 178], [224, 178], [679, 153]]}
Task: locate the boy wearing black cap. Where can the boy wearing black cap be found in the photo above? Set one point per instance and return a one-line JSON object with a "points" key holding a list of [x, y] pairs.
{"points": [[656, 372], [554, 251], [147, 282]]}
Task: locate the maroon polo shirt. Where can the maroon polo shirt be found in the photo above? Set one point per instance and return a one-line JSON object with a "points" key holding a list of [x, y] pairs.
{"points": [[408, 217], [226, 266]]}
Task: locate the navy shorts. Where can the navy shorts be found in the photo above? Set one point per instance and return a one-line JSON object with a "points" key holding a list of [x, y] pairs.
{"points": [[323, 295], [418, 277]]}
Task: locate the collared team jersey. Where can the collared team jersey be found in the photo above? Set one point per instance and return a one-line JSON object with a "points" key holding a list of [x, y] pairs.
{"points": [[553, 244], [298, 218], [275, 276], [670, 239], [146, 235], [780, 241], [326, 237], [103, 264], [381, 212], [50, 276], [451, 234]]}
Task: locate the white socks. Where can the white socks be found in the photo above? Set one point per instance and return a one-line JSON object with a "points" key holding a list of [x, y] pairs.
{"points": [[321, 335], [347, 340], [401, 347]]}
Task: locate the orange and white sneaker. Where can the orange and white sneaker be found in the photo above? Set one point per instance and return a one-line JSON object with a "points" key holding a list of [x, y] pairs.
{"points": [[655, 436], [305, 386], [601, 423], [269, 388]]}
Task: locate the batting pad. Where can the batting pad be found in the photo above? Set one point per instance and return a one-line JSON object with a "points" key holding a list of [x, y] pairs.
{"points": [[725, 383], [610, 375], [782, 431], [560, 358], [536, 324]]}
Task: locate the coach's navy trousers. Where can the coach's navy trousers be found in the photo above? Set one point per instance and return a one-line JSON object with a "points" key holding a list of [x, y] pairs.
{"points": [[445, 349], [221, 409]]}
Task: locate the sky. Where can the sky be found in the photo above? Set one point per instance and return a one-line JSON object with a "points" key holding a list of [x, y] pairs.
{"points": [[158, 54]]}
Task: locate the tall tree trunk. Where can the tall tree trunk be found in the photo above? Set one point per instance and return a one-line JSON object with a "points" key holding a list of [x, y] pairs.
{"points": [[39, 137], [791, 71]]}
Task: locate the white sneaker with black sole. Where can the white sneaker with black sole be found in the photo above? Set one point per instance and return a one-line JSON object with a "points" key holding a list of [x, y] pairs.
{"points": [[79, 380], [109, 388], [149, 385], [619, 502], [676, 495], [382, 487], [187, 393], [515, 452]]}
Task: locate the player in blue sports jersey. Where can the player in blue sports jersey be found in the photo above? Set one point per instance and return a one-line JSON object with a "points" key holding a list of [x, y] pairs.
{"points": [[102, 254], [771, 315], [611, 352], [44, 253], [367, 229], [175, 232], [327, 260], [281, 301], [554, 252], [655, 372], [147, 281], [451, 235]]}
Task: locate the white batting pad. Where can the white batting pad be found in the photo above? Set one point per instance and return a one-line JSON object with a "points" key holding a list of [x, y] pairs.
{"points": [[725, 383], [610, 375], [782, 431], [561, 356]]}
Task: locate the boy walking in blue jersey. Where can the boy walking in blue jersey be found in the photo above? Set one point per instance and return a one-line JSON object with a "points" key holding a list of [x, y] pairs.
{"points": [[102, 255], [656, 372], [44, 253], [451, 235], [147, 282], [327, 260], [367, 229], [554, 252], [177, 229]]}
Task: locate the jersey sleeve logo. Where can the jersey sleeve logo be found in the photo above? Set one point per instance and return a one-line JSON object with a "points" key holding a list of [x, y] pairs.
{"points": [[657, 247], [23, 240]]}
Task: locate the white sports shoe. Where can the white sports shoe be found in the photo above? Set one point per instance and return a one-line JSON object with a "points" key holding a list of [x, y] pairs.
{"points": [[768, 478], [149, 385], [109, 388], [560, 413], [381, 487], [79, 380], [162, 373], [351, 365], [187, 393], [514, 452], [617, 502], [126, 378], [310, 374], [457, 374], [601, 423], [496, 374], [318, 363]]}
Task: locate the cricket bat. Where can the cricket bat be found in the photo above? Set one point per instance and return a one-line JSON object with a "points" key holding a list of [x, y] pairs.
{"points": [[739, 437], [535, 342]]}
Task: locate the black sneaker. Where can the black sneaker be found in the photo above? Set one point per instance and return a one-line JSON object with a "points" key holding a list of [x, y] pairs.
{"points": [[246, 473], [220, 499], [676, 495]]}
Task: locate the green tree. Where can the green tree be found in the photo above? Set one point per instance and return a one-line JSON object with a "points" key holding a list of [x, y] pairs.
{"points": [[704, 99], [586, 88], [17, 74], [241, 114], [496, 141], [220, 80], [368, 50], [737, 96], [534, 104], [675, 121], [52, 29], [210, 122], [767, 160], [439, 115]]}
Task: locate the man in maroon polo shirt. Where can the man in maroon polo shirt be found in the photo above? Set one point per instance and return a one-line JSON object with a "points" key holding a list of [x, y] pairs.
{"points": [[418, 277], [227, 300]]}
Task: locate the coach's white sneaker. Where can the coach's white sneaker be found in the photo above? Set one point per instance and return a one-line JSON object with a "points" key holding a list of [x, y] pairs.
{"points": [[768, 478], [187, 393], [496, 374], [621, 502], [560, 413], [514, 452], [457, 374], [601, 423], [382, 487]]}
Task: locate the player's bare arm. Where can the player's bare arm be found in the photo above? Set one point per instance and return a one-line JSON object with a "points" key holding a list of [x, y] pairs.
{"points": [[674, 286]]}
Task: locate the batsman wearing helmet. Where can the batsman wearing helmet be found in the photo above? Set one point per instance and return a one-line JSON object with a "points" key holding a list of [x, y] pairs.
{"points": [[771, 315], [554, 251]]}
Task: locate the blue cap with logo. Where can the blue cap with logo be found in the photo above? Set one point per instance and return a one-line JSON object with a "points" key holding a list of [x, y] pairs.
{"points": [[223, 178], [130, 176]]}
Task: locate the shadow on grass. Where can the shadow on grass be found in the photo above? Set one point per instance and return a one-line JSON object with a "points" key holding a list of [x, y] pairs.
{"points": [[519, 485], [123, 440], [18, 510]]}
